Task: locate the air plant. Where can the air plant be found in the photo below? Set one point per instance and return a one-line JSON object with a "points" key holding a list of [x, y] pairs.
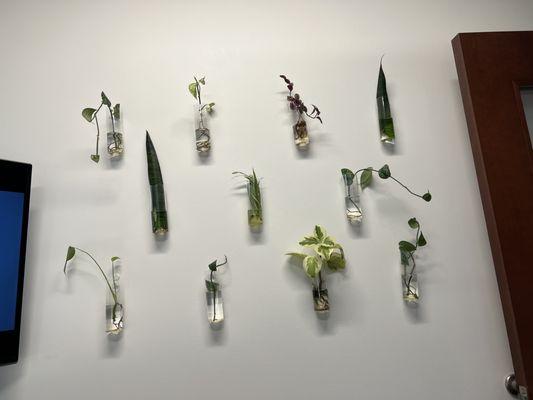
{"points": [[386, 125], [301, 137], [407, 258], [365, 180], [327, 253], [159, 211], [203, 137], [255, 213], [115, 146], [215, 309], [116, 316]]}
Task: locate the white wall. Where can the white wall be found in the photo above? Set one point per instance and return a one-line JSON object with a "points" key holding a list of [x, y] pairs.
{"points": [[58, 55]]}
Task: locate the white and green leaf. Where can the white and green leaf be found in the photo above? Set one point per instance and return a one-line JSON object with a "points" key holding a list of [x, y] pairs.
{"points": [[312, 266]]}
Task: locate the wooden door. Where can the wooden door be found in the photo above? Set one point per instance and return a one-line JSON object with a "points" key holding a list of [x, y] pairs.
{"points": [[492, 68]]}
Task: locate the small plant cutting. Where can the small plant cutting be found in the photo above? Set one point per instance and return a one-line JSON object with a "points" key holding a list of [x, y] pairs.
{"points": [[296, 104], [386, 125], [203, 137], [255, 213], [326, 253], [353, 210], [114, 307], [407, 258], [215, 305], [115, 145], [157, 190]]}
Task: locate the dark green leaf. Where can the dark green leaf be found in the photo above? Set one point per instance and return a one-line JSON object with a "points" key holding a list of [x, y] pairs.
{"points": [[88, 114], [384, 172], [95, 157], [116, 111], [71, 252], [105, 100], [413, 223], [366, 178], [159, 213], [213, 266], [211, 286], [422, 240], [202, 81], [427, 196], [382, 83], [406, 246], [348, 176]]}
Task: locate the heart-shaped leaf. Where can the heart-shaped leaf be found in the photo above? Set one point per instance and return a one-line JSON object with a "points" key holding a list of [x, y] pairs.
{"points": [[413, 223], [312, 266], [427, 196], [88, 114], [105, 100], [192, 89], [384, 172], [213, 266], [366, 178], [348, 176], [421, 240]]}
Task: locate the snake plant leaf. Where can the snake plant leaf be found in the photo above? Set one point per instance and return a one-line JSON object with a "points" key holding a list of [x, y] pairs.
{"points": [[192, 89], [348, 176], [386, 125], [116, 111], [413, 223], [159, 212], [105, 100], [71, 252], [384, 172], [312, 265], [421, 240], [366, 177], [88, 114], [95, 157]]}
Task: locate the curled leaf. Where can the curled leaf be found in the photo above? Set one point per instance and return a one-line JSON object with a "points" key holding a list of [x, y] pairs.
{"points": [[406, 246], [348, 176], [336, 261], [413, 223], [88, 114], [427, 196]]}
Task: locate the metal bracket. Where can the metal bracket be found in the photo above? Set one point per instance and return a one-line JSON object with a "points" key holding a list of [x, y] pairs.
{"points": [[514, 388]]}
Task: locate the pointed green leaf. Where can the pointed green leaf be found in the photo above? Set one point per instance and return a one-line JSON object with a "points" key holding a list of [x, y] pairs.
{"points": [[213, 266], [202, 81], [88, 114], [297, 255], [71, 252], [116, 111], [406, 246], [320, 233], [309, 241], [384, 172], [95, 157], [105, 100], [413, 223], [154, 171], [422, 240], [192, 89], [348, 176], [312, 266], [366, 178], [382, 83]]}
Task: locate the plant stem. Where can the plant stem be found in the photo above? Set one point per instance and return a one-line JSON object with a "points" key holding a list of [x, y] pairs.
{"points": [[113, 127], [393, 178], [214, 297], [97, 131]]}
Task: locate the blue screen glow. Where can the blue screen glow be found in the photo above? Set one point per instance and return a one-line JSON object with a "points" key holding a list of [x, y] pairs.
{"points": [[11, 213]]}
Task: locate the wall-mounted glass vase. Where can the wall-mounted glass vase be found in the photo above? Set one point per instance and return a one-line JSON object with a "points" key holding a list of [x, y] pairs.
{"points": [[115, 140], [202, 134], [351, 197], [255, 212], [214, 302], [114, 309], [301, 136], [320, 296], [409, 282]]}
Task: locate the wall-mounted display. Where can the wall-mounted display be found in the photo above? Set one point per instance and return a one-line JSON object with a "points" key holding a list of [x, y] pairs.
{"points": [[353, 210], [296, 104], [202, 134], [407, 259], [327, 253], [386, 125], [157, 190], [114, 309], [213, 295], [115, 141], [255, 213]]}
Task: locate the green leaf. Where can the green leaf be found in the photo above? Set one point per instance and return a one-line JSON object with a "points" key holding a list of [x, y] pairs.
{"points": [[325, 251], [421, 240], [298, 255], [336, 261], [71, 252], [202, 81], [116, 111], [213, 266], [211, 286], [384, 172], [309, 241], [348, 176], [427, 196], [366, 177], [413, 223], [382, 83], [95, 157], [115, 258], [312, 266], [88, 114], [105, 100], [404, 257], [192, 89], [406, 246], [320, 233]]}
